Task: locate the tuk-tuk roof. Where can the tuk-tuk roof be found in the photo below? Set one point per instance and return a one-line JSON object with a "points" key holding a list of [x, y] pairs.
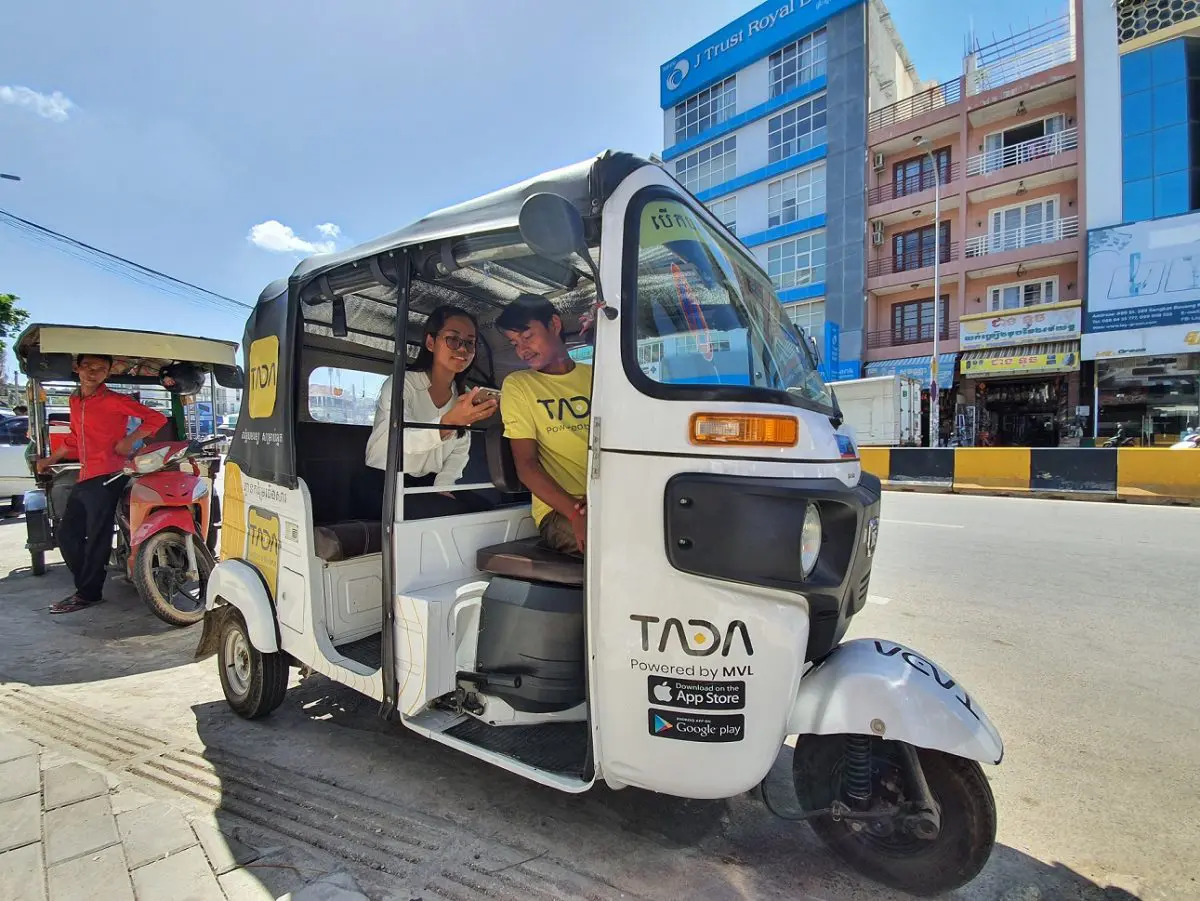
{"points": [[77, 339], [46, 352]]}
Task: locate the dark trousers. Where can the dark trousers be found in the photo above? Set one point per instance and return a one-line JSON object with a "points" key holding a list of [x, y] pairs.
{"points": [[86, 532]]}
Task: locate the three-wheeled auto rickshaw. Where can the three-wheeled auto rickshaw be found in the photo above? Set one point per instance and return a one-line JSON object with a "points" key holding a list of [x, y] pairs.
{"points": [[169, 499], [730, 532]]}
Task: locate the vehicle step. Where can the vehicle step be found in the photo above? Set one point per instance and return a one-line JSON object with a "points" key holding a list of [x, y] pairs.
{"points": [[555, 747]]}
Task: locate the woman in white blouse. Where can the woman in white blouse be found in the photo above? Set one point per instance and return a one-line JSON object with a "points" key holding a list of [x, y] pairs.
{"points": [[435, 392]]}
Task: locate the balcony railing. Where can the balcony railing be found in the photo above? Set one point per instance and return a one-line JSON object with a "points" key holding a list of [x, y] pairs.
{"points": [[899, 337], [1025, 152], [913, 184], [936, 97], [1024, 237], [910, 262], [1021, 56]]}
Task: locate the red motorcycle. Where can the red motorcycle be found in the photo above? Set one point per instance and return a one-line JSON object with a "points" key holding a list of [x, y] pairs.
{"points": [[165, 527]]}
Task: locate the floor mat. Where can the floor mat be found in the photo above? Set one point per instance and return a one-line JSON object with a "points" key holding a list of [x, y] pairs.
{"points": [[367, 651], [557, 747]]}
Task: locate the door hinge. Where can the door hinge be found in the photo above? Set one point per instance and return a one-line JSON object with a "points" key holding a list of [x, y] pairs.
{"points": [[595, 435]]}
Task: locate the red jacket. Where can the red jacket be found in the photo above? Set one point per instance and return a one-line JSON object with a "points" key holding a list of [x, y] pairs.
{"points": [[99, 422]]}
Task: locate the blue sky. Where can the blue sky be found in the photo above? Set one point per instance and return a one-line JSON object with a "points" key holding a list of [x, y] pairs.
{"points": [[166, 132]]}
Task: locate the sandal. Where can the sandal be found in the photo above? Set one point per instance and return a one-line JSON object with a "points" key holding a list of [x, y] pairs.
{"points": [[72, 604]]}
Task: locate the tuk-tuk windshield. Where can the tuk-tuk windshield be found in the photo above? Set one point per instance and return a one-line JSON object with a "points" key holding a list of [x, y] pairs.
{"points": [[707, 317]]}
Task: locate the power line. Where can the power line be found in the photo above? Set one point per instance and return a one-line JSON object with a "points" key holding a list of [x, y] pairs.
{"points": [[119, 265]]}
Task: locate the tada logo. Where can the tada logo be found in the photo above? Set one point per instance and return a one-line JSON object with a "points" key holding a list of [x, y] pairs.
{"points": [[678, 73], [705, 637]]}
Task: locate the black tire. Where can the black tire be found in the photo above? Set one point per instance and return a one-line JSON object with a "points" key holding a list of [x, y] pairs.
{"points": [[37, 562], [901, 861], [254, 683], [166, 596]]}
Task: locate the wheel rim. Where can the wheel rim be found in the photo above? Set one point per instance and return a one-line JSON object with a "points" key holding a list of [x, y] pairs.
{"points": [[236, 661], [168, 571], [887, 783]]}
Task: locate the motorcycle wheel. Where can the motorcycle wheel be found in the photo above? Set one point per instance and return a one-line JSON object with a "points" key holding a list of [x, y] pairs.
{"points": [[895, 857], [160, 574]]}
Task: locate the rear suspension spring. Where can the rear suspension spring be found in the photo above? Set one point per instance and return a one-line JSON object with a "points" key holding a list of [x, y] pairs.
{"points": [[856, 772]]}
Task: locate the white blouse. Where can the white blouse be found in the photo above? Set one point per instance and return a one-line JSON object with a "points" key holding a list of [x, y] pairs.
{"points": [[425, 451]]}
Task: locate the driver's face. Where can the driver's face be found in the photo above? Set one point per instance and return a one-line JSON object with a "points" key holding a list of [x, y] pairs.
{"points": [[92, 372], [537, 345]]}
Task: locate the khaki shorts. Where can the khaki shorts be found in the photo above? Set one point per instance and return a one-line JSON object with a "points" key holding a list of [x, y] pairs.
{"points": [[558, 535]]}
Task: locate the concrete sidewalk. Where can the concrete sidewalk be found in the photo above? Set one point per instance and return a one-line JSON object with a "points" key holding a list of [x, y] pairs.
{"points": [[75, 832]]}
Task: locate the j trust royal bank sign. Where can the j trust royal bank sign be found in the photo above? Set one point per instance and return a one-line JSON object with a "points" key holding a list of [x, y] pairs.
{"points": [[761, 31]]}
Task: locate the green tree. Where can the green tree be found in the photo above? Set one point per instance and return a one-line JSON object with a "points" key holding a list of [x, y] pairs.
{"points": [[12, 317]]}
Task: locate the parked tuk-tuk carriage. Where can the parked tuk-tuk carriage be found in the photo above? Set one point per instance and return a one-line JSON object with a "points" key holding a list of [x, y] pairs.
{"points": [[730, 532], [169, 499]]}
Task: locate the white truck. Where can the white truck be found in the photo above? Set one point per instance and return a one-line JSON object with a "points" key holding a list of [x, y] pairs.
{"points": [[883, 411], [15, 475]]}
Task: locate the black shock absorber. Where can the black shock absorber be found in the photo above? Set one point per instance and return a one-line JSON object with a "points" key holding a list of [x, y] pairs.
{"points": [[856, 770]]}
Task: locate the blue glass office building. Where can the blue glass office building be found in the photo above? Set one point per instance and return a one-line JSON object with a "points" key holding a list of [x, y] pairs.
{"points": [[765, 122]]}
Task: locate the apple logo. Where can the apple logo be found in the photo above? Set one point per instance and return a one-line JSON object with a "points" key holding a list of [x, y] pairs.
{"points": [[662, 693]]}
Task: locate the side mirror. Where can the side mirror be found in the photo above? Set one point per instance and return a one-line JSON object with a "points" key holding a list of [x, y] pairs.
{"points": [[552, 227]]}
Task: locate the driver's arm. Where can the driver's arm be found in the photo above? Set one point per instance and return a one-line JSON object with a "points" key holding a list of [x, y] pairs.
{"points": [[152, 420]]}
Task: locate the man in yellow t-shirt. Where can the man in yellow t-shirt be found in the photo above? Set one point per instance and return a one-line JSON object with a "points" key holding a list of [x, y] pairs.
{"points": [[547, 411]]}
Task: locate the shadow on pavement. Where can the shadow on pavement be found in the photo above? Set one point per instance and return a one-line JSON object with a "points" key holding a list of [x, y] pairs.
{"points": [[326, 752], [119, 637]]}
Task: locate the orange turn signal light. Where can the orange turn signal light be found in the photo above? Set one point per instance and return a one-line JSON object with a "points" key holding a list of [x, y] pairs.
{"points": [[747, 429]]}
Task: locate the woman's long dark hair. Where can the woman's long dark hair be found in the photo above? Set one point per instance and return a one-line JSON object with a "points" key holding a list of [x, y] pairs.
{"points": [[433, 325]]}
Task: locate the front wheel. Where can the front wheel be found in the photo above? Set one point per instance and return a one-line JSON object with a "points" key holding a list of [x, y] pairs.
{"points": [[254, 683], [883, 849], [160, 574]]}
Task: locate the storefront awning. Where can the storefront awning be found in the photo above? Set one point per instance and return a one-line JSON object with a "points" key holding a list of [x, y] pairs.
{"points": [[917, 367], [1031, 359]]}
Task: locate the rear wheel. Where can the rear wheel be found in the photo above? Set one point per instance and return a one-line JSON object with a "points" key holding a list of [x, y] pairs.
{"points": [[883, 849], [160, 573], [254, 683]]}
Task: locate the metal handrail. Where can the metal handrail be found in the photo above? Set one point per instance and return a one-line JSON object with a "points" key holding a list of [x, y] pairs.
{"points": [[940, 95], [912, 261], [911, 335], [1027, 151], [913, 184], [1025, 236]]}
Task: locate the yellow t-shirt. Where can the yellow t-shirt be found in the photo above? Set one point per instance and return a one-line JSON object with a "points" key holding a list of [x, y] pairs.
{"points": [[556, 411]]}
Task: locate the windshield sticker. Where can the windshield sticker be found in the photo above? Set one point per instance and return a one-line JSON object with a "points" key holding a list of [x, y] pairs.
{"points": [[263, 376], [696, 695], [702, 727]]}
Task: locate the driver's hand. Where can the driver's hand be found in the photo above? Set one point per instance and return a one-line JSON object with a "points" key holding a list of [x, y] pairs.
{"points": [[44, 464], [579, 524], [125, 445]]}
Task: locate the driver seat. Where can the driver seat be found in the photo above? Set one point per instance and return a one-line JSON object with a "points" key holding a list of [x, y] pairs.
{"points": [[526, 559]]}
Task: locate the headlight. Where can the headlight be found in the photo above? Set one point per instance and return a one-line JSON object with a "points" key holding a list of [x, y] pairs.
{"points": [[810, 539]]}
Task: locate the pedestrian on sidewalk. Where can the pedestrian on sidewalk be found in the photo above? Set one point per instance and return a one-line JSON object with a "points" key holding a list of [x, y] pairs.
{"points": [[101, 437]]}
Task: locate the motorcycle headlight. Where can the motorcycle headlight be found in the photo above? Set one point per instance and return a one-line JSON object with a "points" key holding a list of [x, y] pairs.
{"points": [[810, 540]]}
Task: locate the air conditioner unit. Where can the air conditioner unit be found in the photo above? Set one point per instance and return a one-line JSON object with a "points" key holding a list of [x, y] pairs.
{"points": [[877, 233], [878, 160]]}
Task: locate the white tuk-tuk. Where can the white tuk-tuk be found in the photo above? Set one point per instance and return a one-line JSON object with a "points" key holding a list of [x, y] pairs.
{"points": [[730, 532]]}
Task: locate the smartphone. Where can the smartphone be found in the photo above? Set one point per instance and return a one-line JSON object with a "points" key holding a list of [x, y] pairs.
{"points": [[486, 394]]}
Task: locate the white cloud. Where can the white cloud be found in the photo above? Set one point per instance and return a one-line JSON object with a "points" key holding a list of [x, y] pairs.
{"points": [[276, 237], [55, 107]]}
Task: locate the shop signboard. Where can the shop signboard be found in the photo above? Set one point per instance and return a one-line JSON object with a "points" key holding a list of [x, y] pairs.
{"points": [[1021, 364], [1030, 325], [1143, 288]]}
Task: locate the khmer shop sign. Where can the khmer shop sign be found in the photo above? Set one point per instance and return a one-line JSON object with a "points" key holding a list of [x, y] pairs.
{"points": [[1030, 325], [1020, 363]]}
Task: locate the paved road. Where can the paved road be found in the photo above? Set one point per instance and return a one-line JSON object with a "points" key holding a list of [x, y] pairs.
{"points": [[1076, 625]]}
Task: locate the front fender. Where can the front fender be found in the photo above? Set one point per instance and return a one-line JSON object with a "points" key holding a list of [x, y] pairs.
{"points": [[238, 584], [873, 687], [161, 519]]}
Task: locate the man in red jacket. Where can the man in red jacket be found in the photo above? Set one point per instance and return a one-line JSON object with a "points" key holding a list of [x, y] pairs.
{"points": [[100, 435]]}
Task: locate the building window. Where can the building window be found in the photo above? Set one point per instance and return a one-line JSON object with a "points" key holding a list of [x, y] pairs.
{"points": [[1027, 225], [915, 249], [797, 196], [798, 63], [725, 210], [916, 174], [798, 129], [1022, 294], [809, 316], [798, 262], [709, 166], [710, 107], [912, 322], [1031, 141]]}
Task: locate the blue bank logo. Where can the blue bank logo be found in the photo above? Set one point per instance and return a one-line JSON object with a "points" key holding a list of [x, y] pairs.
{"points": [[678, 73]]}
